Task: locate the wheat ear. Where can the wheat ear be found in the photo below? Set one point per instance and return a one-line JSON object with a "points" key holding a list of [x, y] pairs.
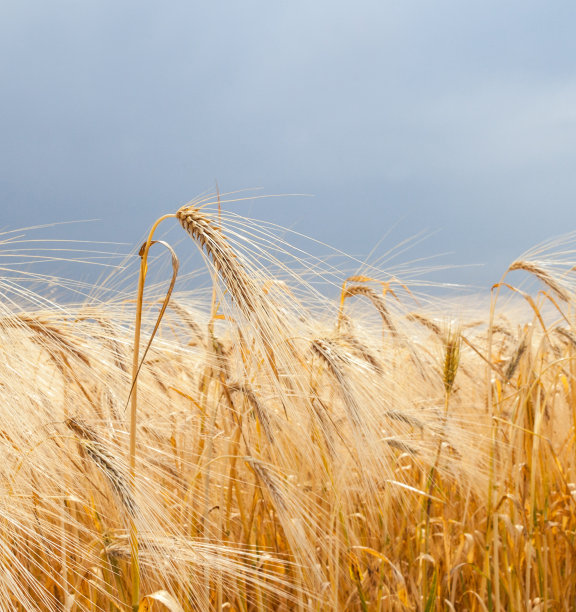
{"points": [[542, 275], [377, 301], [211, 239]]}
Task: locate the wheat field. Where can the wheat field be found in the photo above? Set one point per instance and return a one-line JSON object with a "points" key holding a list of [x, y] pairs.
{"points": [[270, 448]]}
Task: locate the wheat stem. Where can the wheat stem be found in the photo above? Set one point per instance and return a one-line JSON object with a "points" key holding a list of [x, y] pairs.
{"points": [[134, 564]]}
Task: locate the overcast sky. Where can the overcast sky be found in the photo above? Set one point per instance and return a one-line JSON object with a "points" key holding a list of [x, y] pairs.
{"points": [[412, 115]]}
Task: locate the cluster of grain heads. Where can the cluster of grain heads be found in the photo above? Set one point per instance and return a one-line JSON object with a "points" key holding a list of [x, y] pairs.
{"points": [[270, 358], [393, 461], [66, 484]]}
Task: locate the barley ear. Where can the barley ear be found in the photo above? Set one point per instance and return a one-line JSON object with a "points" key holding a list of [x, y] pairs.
{"points": [[452, 343], [542, 275]]}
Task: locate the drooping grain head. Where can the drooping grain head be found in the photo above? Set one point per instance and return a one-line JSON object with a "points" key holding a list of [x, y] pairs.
{"points": [[232, 271], [377, 301], [543, 275]]}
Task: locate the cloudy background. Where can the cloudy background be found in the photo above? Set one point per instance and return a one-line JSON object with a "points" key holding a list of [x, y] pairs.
{"points": [[453, 118]]}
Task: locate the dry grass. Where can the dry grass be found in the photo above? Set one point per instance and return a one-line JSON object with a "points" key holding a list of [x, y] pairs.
{"points": [[290, 455]]}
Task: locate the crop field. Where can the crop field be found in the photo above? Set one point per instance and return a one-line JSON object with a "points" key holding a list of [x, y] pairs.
{"points": [[260, 446]]}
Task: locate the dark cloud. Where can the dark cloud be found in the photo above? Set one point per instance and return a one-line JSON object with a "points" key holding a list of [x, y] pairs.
{"points": [[450, 115]]}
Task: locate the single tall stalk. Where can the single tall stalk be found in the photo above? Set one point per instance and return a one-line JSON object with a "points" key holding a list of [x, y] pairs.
{"points": [[136, 364]]}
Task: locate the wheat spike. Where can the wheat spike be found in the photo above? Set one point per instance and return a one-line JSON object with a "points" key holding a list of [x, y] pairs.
{"points": [[232, 271], [452, 343], [543, 275], [378, 302]]}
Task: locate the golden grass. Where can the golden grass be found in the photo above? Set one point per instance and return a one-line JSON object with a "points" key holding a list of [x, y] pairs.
{"points": [[285, 454]]}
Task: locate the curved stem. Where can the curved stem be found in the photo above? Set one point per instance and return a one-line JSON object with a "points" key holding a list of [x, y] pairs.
{"points": [[135, 567]]}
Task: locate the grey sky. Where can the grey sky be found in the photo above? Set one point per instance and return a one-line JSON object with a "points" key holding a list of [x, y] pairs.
{"points": [[449, 115]]}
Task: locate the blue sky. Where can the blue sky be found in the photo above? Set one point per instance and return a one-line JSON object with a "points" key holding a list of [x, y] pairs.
{"points": [[457, 118]]}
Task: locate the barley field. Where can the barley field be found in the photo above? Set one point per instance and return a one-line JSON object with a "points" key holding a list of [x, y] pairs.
{"points": [[260, 446]]}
